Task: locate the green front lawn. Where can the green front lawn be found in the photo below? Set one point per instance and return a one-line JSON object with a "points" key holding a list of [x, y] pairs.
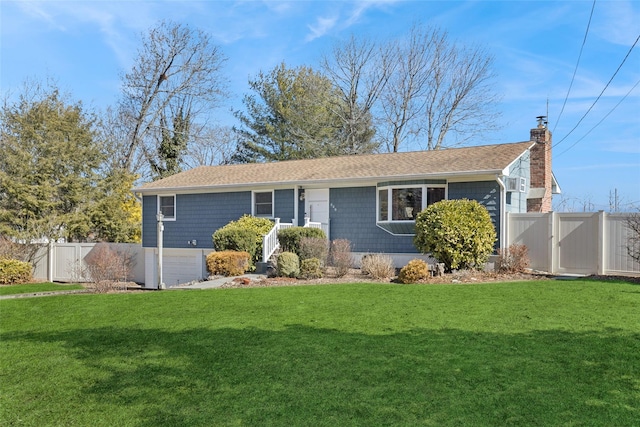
{"points": [[37, 287], [527, 353]]}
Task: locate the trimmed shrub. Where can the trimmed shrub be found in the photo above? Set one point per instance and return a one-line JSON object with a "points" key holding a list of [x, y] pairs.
{"points": [[228, 263], [290, 238], [378, 266], [243, 235], [513, 260], [13, 271], [288, 265], [341, 257], [310, 268], [314, 247], [414, 271], [458, 233], [234, 239]]}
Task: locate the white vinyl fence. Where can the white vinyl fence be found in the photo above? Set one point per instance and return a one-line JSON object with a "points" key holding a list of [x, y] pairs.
{"points": [[574, 243], [65, 262]]}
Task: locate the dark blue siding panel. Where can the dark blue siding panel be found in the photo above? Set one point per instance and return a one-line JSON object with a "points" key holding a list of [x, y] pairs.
{"points": [[149, 230], [301, 212], [353, 217], [197, 217], [486, 193], [283, 208]]}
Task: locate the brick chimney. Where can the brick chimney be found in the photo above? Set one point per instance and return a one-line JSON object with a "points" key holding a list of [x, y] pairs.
{"points": [[539, 198]]}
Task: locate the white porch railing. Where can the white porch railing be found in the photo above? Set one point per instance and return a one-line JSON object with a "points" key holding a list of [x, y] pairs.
{"points": [[270, 241]]}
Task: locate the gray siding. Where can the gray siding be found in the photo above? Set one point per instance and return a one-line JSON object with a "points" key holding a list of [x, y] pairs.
{"points": [[517, 201], [353, 217], [197, 217], [149, 230], [486, 193]]}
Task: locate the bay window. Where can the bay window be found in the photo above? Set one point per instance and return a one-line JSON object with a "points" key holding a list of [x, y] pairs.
{"points": [[404, 203]]}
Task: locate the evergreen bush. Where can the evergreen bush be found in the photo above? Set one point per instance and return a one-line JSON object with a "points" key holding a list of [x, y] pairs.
{"points": [[228, 263], [310, 268], [288, 265], [458, 233], [414, 271], [13, 271], [244, 235]]}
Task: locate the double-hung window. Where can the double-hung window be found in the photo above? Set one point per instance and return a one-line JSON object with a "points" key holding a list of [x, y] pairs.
{"points": [[263, 204], [167, 207]]}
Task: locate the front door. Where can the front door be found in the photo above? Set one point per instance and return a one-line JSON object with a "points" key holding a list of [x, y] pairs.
{"points": [[316, 207]]}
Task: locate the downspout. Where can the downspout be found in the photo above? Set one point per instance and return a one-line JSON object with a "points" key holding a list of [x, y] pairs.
{"points": [[503, 203]]}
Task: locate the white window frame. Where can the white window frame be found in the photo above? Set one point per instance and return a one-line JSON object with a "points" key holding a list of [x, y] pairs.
{"points": [[523, 185], [253, 203], [168, 218], [390, 189]]}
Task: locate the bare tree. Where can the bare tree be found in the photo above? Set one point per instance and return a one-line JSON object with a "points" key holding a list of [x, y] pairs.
{"points": [[360, 69], [404, 100], [175, 66], [633, 243], [461, 100], [214, 146], [440, 92]]}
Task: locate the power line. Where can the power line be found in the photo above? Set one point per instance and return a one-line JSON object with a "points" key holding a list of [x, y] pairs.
{"points": [[576, 68], [598, 124], [605, 88]]}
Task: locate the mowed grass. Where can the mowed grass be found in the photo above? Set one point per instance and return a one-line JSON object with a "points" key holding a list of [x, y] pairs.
{"points": [[522, 354], [37, 287]]}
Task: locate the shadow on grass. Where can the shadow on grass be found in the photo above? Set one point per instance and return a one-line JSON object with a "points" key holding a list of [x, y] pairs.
{"points": [[307, 376]]}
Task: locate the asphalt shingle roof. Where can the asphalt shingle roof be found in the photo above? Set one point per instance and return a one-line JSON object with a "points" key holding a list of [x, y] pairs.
{"points": [[406, 165]]}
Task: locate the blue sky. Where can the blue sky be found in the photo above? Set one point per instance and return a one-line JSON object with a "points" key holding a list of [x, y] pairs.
{"points": [[87, 45]]}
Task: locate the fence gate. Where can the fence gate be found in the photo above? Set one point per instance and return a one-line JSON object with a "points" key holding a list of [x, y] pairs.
{"points": [[577, 243], [68, 261]]}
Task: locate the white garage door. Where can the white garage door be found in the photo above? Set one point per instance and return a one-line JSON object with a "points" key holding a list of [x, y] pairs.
{"points": [[180, 269]]}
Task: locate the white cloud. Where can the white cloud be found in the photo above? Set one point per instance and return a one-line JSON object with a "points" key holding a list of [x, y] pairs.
{"points": [[40, 12], [321, 27], [618, 21]]}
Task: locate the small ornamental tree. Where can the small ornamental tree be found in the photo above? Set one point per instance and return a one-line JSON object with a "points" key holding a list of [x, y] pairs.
{"points": [[458, 233]]}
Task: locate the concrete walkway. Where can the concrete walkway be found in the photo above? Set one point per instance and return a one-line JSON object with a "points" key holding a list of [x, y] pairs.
{"points": [[218, 282]]}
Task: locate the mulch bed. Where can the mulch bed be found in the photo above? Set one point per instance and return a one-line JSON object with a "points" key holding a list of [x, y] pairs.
{"points": [[356, 276]]}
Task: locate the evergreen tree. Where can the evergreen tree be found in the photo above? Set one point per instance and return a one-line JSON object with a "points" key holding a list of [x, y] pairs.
{"points": [[293, 114], [50, 183]]}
